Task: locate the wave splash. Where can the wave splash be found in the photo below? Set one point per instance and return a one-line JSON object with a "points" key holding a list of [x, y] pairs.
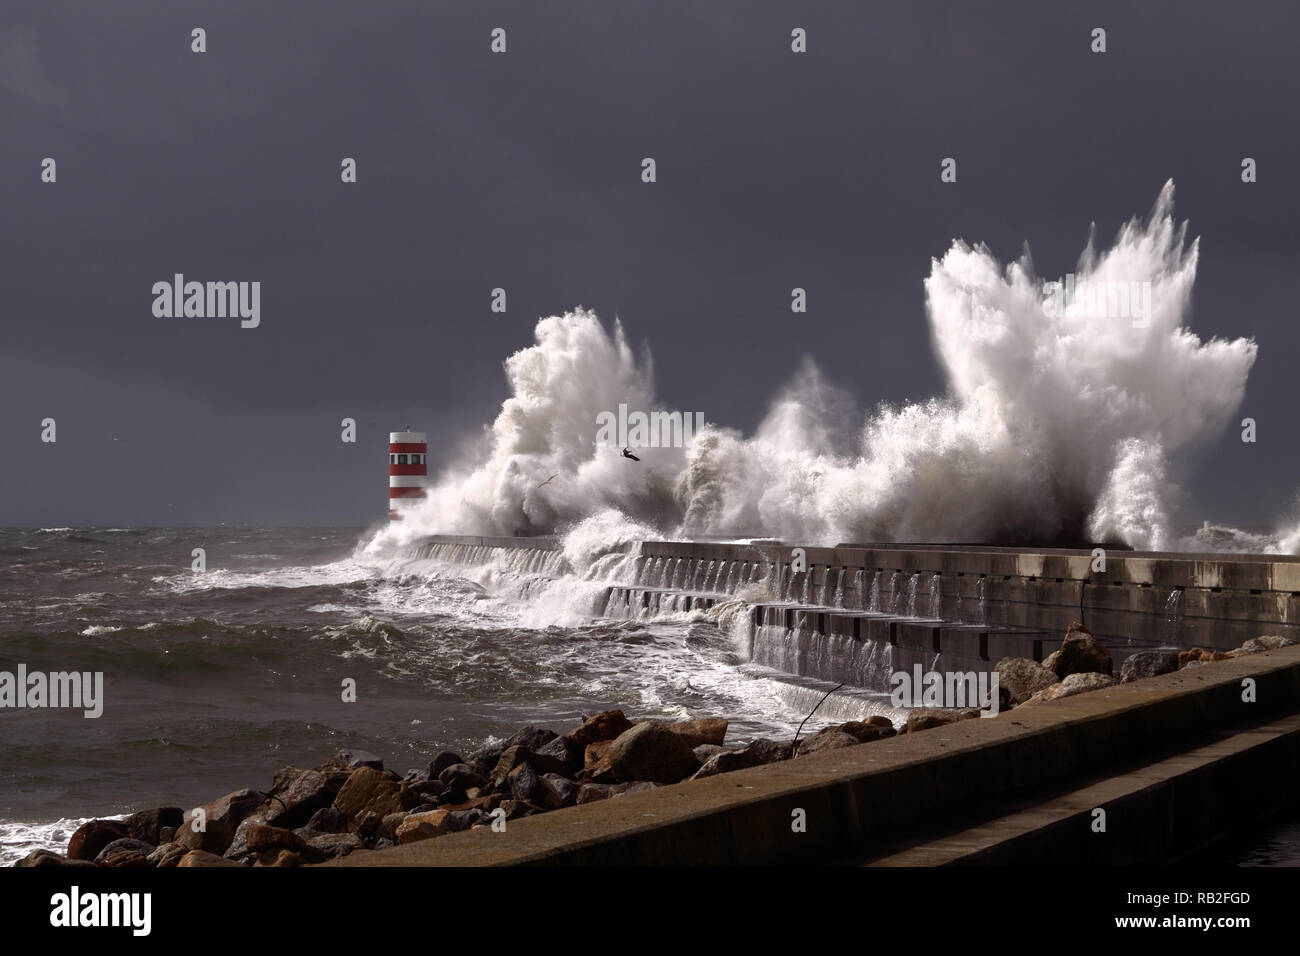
{"points": [[1059, 425]]}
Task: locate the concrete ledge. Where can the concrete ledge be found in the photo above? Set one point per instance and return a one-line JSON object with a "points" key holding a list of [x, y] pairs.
{"points": [[855, 798]]}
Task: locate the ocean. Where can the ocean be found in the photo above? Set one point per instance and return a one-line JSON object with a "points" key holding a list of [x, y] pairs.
{"points": [[214, 680]]}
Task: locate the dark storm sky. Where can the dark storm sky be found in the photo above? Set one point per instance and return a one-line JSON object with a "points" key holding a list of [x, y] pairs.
{"points": [[522, 171]]}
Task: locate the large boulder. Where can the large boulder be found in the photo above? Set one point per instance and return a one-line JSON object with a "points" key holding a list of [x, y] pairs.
{"points": [[567, 752], [557, 791], [442, 761], [213, 831], [525, 785], [705, 730], [607, 725], [296, 795], [828, 738], [725, 761], [352, 760], [592, 792], [1080, 653], [334, 845], [423, 826], [534, 738], [126, 852], [1020, 679], [518, 754], [925, 718], [148, 825], [1073, 684], [371, 791], [770, 751], [92, 836], [167, 855], [649, 751], [1147, 664]]}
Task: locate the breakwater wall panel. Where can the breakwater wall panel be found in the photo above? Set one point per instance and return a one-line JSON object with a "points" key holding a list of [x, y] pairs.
{"points": [[1129, 600]]}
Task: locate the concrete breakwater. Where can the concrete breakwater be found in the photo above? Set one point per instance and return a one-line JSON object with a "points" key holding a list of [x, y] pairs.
{"points": [[857, 613]]}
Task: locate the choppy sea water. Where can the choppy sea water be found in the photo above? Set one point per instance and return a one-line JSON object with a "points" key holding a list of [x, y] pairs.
{"points": [[214, 680]]}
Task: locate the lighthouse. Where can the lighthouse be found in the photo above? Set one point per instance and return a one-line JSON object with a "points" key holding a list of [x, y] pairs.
{"points": [[408, 466]]}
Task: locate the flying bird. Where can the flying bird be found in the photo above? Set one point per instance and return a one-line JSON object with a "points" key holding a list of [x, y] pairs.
{"points": [[628, 454], [548, 481]]}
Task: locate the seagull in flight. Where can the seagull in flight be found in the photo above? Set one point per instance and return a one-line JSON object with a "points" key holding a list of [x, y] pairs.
{"points": [[548, 480], [628, 454]]}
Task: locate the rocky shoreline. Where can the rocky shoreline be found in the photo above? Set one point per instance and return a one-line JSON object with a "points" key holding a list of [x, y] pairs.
{"points": [[351, 802]]}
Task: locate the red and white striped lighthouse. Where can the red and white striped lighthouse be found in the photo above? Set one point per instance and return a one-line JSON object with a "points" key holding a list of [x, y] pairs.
{"points": [[408, 466]]}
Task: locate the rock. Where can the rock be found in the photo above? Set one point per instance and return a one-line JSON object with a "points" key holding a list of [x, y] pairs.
{"points": [[524, 784], [1270, 642], [415, 776], [204, 858], [558, 791], [704, 751], [607, 725], [457, 820], [534, 738], [422, 826], [925, 718], [222, 818], [706, 730], [334, 845], [368, 827], [92, 836], [518, 754], [649, 751], [167, 855], [390, 823], [827, 739], [460, 776], [371, 791], [514, 809], [238, 849], [1080, 653], [1201, 655], [352, 760], [1073, 684], [770, 751], [167, 834], [1022, 678], [430, 790], [591, 792], [280, 857], [328, 820], [568, 753], [125, 852], [880, 720], [441, 762], [148, 825], [726, 761], [45, 858], [383, 844], [594, 757], [1147, 664], [296, 795], [865, 731], [262, 837]]}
